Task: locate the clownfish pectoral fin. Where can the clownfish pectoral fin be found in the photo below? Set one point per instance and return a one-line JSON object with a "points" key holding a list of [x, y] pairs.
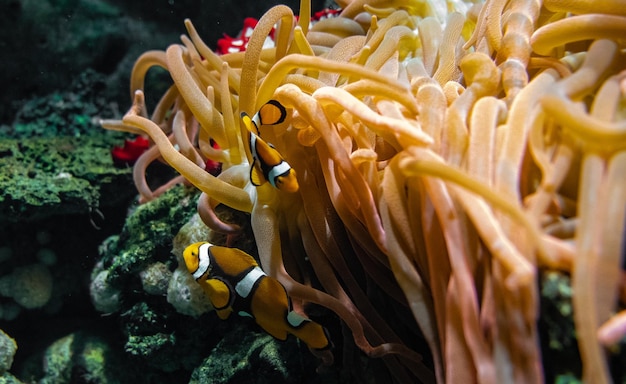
{"points": [[219, 294], [313, 334], [224, 314], [276, 332], [256, 176]]}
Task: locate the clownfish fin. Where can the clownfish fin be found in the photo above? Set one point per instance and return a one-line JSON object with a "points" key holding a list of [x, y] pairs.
{"points": [[224, 314], [256, 176], [330, 344], [218, 293], [276, 332], [271, 113], [249, 123]]}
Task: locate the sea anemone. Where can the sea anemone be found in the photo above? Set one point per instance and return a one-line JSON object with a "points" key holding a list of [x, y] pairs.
{"points": [[445, 152]]}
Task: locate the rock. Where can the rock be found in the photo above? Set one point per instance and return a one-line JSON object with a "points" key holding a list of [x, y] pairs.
{"points": [[30, 286], [56, 160], [8, 347], [104, 297], [246, 356], [81, 357], [155, 278]]}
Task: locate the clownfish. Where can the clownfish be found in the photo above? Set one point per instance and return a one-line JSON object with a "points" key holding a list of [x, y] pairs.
{"points": [[267, 163], [234, 282]]}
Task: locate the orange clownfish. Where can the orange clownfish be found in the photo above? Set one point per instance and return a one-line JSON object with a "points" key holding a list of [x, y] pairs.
{"points": [[234, 282], [267, 163]]}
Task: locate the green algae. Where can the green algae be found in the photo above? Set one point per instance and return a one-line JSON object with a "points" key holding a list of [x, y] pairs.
{"points": [[56, 159], [7, 378], [163, 341], [151, 339], [567, 378], [41, 177], [148, 233], [8, 347], [561, 357], [147, 320], [243, 354], [69, 113], [148, 345], [143, 318], [561, 360], [83, 357]]}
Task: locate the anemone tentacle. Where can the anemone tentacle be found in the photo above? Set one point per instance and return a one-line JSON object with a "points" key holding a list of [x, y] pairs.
{"points": [[446, 154]]}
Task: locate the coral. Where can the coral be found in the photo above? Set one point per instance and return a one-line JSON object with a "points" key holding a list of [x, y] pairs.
{"points": [[47, 177], [7, 378], [135, 248], [63, 113], [130, 152], [153, 330], [243, 354], [53, 161], [165, 337], [30, 286], [186, 296], [150, 340], [155, 278], [7, 351], [104, 297], [82, 357]]}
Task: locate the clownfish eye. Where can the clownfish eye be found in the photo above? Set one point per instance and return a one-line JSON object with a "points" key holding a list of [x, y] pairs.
{"points": [[280, 180]]}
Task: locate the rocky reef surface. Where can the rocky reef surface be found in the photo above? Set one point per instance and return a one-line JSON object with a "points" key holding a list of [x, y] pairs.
{"points": [[151, 321]]}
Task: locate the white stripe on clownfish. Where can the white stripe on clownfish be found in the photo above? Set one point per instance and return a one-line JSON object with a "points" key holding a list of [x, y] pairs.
{"points": [[245, 285], [295, 319], [204, 261]]}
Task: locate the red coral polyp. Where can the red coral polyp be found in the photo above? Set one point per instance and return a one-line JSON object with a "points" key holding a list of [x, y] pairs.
{"points": [[229, 44], [130, 152]]}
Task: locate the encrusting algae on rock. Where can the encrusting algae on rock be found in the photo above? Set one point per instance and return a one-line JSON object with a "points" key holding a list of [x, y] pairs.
{"points": [[7, 352], [444, 153], [30, 286]]}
